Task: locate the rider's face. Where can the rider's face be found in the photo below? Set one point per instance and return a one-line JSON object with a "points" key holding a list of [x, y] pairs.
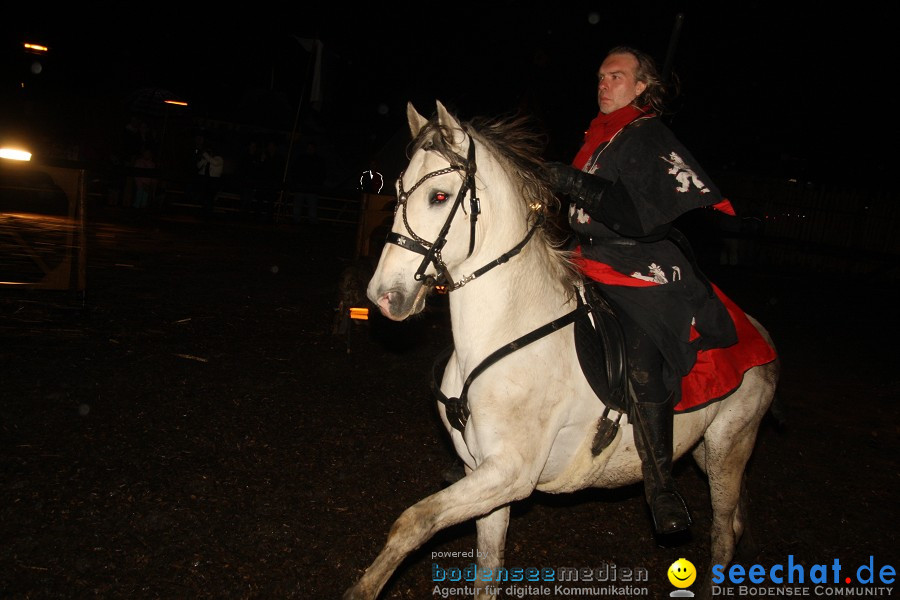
{"points": [[616, 83]]}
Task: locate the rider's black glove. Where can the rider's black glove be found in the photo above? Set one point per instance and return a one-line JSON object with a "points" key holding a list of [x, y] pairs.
{"points": [[586, 189]]}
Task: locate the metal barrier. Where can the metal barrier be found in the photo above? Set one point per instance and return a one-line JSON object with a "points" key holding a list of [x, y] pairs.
{"points": [[42, 226], [816, 228], [337, 207]]}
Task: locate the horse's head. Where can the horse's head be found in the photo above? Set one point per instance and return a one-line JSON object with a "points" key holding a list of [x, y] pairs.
{"points": [[434, 223], [442, 232]]}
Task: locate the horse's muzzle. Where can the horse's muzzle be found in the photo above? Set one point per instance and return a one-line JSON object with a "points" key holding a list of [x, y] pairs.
{"points": [[398, 305]]}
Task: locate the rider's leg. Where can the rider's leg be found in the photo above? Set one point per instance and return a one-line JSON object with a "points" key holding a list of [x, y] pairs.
{"points": [[651, 415]]}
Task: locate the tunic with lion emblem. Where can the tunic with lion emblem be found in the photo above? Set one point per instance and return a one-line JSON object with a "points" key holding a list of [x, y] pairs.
{"points": [[628, 246]]}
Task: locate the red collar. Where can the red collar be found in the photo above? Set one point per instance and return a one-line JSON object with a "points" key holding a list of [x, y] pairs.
{"points": [[604, 127]]}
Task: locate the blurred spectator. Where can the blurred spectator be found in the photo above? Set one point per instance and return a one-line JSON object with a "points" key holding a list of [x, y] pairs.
{"points": [[138, 136], [251, 175], [144, 186], [132, 145], [198, 171], [210, 167], [272, 171], [311, 171]]}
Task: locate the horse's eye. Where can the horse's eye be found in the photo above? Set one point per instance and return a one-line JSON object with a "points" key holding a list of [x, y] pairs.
{"points": [[439, 197]]}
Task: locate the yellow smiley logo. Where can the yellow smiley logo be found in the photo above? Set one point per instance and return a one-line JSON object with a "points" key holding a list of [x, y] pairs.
{"points": [[682, 573]]}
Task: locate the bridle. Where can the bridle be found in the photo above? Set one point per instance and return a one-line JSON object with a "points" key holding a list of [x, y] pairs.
{"points": [[432, 250]]}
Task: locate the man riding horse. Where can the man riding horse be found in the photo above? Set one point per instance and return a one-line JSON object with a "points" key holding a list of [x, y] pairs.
{"points": [[629, 181]]}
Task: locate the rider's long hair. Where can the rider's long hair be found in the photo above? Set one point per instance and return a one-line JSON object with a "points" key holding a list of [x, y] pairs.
{"points": [[658, 91]]}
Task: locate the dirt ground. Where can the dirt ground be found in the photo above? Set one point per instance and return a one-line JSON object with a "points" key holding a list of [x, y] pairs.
{"points": [[192, 428]]}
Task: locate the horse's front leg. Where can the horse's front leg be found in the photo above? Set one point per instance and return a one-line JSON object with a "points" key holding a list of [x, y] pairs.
{"points": [[493, 484], [491, 549]]}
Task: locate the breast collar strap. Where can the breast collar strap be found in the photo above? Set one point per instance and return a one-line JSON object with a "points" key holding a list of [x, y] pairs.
{"points": [[458, 408]]}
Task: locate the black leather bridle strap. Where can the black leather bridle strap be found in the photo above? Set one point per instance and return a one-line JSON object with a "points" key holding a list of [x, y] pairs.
{"points": [[503, 257], [431, 251], [406, 242], [474, 202], [458, 408], [433, 255]]}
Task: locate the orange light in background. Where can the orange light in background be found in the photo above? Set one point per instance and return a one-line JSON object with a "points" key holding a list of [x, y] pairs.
{"points": [[35, 47], [359, 314], [175, 102], [15, 154]]}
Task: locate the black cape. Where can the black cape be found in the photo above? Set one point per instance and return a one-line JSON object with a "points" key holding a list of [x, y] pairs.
{"points": [[655, 181]]}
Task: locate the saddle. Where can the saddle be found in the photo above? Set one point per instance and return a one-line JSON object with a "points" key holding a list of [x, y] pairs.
{"points": [[601, 353]]}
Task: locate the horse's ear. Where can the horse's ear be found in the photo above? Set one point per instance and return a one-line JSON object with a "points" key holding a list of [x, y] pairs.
{"points": [[416, 121], [449, 123]]}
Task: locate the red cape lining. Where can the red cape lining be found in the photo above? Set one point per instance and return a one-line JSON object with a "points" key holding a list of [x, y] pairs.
{"points": [[719, 371]]}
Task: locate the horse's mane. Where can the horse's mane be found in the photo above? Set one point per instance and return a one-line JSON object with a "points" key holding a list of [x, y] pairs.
{"points": [[514, 140]]}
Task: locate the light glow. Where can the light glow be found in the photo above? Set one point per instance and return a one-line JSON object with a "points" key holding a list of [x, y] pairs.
{"points": [[359, 314], [175, 102], [35, 47], [15, 154]]}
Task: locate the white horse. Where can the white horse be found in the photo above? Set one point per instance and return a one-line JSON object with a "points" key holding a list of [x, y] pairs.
{"points": [[529, 420]]}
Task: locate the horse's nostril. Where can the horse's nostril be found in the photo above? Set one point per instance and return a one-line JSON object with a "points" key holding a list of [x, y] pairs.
{"points": [[390, 306]]}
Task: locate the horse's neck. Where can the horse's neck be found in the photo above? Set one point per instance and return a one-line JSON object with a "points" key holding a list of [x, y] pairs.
{"points": [[515, 297], [507, 302]]}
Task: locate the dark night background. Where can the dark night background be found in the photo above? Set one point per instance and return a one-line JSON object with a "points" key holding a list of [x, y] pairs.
{"points": [[190, 426], [779, 88]]}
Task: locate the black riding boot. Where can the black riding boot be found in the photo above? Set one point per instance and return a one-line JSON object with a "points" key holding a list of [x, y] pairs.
{"points": [[653, 438]]}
